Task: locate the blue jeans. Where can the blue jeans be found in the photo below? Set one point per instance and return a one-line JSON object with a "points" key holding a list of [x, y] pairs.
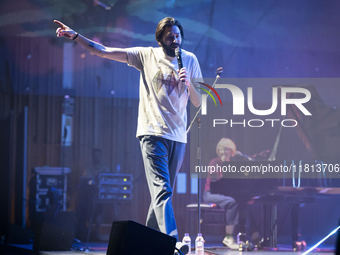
{"points": [[227, 203], [162, 160]]}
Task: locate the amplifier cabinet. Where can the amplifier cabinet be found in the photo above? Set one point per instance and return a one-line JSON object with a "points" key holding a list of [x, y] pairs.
{"points": [[51, 187]]}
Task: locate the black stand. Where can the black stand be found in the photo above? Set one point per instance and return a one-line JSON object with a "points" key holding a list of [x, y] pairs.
{"points": [[198, 120]]}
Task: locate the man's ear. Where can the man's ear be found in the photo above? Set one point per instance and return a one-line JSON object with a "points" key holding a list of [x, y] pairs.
{"points": [[159, 44]]}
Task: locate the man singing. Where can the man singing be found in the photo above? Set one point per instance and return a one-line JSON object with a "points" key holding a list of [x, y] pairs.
{"points": [[162, 117]]}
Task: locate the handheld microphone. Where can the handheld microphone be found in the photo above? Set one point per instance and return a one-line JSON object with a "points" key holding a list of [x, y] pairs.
{"points": [[178, 54]]}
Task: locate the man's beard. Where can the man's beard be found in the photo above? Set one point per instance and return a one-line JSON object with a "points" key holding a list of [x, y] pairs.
{"points": [[168, 50]]}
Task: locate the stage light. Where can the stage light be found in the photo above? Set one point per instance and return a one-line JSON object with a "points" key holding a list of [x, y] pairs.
{"points": [[320, 242]]}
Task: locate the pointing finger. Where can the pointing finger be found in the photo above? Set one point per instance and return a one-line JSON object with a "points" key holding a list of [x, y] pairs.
{"points": [[60, 23]]}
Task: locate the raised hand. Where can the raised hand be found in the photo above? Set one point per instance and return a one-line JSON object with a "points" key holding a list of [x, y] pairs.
{"points": [[65, 31], [183, 76]]}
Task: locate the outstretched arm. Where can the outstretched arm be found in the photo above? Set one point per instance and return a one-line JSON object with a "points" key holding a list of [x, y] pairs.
{"points": [[117, 54]]}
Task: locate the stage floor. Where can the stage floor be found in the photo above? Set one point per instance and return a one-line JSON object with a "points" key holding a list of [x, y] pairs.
{"points": [[193, 253], [212, 249], [100, 249], [222, 251]]}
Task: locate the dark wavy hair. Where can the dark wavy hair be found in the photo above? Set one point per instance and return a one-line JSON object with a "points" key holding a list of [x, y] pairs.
{"points": [[168, 21]]}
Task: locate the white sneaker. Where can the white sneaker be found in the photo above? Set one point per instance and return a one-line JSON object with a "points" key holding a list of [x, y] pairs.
{"points": [[183, 247], [229, 241]]}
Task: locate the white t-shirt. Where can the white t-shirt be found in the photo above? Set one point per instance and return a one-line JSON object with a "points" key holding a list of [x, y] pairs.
{"points": [[162, 97]]}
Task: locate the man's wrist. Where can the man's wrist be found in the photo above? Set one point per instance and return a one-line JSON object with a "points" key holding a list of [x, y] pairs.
{"points": [[75, 36]]}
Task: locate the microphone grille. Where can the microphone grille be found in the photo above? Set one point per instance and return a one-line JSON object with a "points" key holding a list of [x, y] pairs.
{"points": [[219, 70]]}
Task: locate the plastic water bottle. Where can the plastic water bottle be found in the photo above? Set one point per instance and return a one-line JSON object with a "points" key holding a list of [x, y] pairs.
{"points": [[241, 238], [187, 240], [199, 245], [238, 238], [118, 169]]}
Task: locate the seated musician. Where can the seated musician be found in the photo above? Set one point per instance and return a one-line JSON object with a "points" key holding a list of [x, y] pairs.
{"points": [[225, 149], [88, 190], [97, 166]]}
